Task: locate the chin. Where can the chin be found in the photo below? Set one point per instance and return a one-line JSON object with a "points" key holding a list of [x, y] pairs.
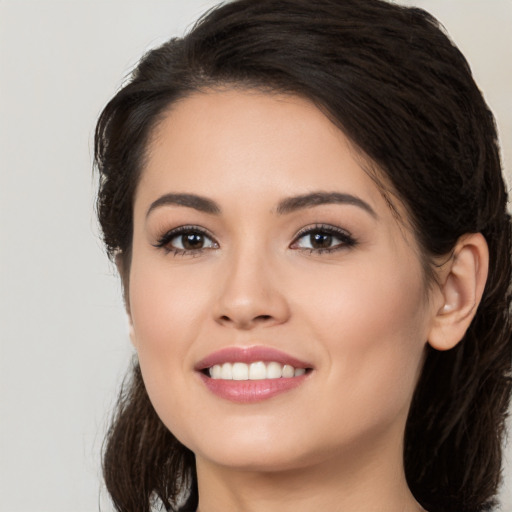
{"points": [[254, 458]]}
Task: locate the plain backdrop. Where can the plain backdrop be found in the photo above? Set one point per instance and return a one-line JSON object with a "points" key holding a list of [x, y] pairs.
{"points": [[64, 344]]}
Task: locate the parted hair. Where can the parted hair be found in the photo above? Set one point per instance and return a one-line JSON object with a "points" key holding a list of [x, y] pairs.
{"points": [[392, 80]]}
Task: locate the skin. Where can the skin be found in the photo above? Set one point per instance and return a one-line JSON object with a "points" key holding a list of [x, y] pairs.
{"points": [[359, 315]]}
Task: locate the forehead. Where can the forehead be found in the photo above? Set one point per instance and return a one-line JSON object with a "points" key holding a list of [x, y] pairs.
{"points": [[251, 141]]}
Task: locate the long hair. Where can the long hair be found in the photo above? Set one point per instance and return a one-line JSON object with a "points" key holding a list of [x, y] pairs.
{"points": [[394, 83]]}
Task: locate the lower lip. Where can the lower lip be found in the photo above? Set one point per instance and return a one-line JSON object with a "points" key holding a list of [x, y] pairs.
{"points": [[249, 391]]}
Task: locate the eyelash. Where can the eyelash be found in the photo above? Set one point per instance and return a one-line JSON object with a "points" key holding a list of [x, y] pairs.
{"points": [[165, 241], [346, 239]]}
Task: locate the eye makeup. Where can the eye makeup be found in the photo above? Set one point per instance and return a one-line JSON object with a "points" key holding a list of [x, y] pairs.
{"points": [[323, 238], [314, 239], [186, 240]]}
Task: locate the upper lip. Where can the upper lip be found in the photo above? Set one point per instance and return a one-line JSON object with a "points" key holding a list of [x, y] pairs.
{"points": [[249, 355]]}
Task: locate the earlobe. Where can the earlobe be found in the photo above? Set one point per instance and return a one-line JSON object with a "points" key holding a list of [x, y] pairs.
{"points": [[462, 285]]}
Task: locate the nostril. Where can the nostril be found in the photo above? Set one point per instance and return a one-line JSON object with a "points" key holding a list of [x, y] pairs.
{"points": [[263, 317], [259, 317], [245, 322]]}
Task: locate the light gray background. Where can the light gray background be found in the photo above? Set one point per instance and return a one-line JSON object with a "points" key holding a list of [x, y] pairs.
{"points": [[64, 344]]}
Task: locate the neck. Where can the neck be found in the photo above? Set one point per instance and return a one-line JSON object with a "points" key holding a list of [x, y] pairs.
{"points": [[360, 480]]}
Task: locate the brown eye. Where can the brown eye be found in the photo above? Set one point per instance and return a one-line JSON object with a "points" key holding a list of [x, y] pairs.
{"points": [[185, 240], [191, 241], [323, 239], [320, 240]]}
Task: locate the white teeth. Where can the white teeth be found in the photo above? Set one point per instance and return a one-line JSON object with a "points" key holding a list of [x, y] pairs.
{"points": [[226, 372], [274, 371], [254, 371], [216, 371], [240, 371], [257, 371], [288, 371]]}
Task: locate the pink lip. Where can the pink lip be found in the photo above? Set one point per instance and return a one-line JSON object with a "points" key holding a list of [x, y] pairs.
{"points": [[249, 355], [248, 391]]}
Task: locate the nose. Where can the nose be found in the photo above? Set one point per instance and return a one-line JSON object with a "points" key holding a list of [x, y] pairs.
{"points": [[251, 295]]}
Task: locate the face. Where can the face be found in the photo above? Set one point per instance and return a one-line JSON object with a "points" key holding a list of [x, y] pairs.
{"points": [[263, 254]]}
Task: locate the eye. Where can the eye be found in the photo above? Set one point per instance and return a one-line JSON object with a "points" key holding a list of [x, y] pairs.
{"points": [[191, 241], [186, 240], [323, 238]]}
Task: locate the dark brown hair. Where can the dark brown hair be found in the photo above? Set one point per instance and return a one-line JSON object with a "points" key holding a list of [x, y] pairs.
{"points": [[396, 85]]}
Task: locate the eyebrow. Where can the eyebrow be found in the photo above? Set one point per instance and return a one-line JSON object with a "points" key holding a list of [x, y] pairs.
{"points": [[288, 205], [203, 204], [292, 204]]}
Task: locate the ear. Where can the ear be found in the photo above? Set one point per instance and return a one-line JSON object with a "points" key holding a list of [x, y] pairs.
{"points": [[123, 272], [462, 284]]}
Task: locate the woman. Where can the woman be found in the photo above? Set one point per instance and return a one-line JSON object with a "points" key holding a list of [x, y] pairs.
{"points": [[306, 207]]}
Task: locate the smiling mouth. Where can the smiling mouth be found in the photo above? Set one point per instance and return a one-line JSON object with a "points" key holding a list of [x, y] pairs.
{"points": [[253, 374], [258, 370]]}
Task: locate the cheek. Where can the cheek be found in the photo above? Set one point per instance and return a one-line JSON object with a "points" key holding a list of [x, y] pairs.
{"points": [[373, 325], [168, 310], [166, 304]]}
